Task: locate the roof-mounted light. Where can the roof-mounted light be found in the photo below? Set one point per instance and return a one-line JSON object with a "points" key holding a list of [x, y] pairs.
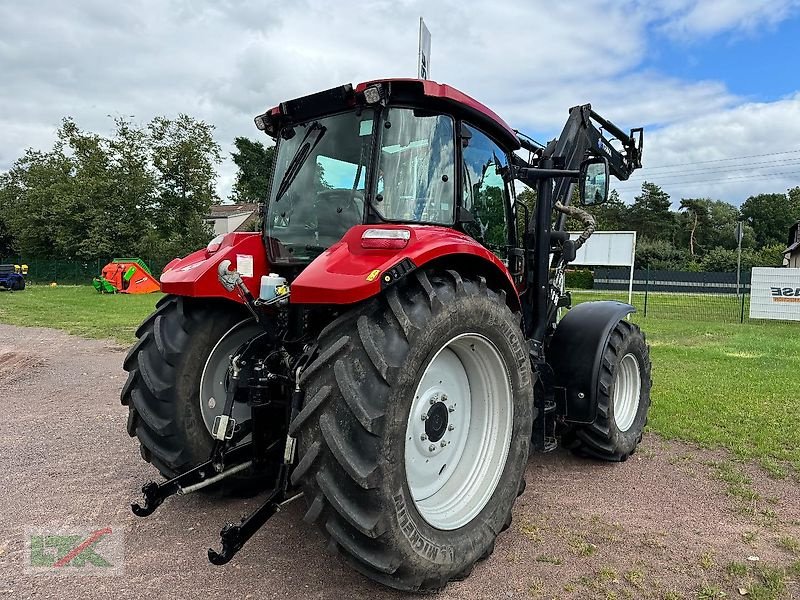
{"points": [[385, 239], [261, 122], [373, 94]]}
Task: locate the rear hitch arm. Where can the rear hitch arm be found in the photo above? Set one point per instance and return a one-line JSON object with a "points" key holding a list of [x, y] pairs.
{"points": [[234, 536], [155, 493]]}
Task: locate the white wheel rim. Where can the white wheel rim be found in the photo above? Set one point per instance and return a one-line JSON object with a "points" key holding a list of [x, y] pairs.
{"points": [[459, 431], [627, 389], [213, 378]]}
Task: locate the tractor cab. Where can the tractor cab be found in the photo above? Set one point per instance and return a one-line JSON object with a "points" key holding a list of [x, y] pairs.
{"points": [[398, 151]]}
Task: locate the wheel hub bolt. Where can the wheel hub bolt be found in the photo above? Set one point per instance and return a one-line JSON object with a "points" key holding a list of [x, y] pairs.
{"points": [[443, 443], [444, 397], [432, 447], [452, 408], [424, 416], [433, 400], [423, 437], [451, 427]]}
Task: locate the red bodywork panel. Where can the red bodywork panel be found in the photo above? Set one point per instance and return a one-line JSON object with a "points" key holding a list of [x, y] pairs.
{"points": [[196, 275], [346, 273]]}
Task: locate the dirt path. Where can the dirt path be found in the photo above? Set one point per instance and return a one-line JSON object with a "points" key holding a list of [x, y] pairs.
{"points": [[666, 524]]}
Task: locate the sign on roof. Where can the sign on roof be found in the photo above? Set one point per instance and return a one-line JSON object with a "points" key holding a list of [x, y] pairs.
{"points": [[424, 67]]}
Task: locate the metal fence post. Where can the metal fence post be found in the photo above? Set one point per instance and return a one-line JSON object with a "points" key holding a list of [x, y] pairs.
{"points": [[741, 318], [646, 288]]}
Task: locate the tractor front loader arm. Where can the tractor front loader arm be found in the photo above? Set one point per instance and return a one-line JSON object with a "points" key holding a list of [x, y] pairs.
{"points": [[583, 137]]}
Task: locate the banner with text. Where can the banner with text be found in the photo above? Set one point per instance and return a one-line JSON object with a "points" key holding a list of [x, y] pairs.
{"points": [[775, 294]]}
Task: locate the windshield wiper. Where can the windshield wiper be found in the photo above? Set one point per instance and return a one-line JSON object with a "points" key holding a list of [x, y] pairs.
{"points": [[300, 156]]}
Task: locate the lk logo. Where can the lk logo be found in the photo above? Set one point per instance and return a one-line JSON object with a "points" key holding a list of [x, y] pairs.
{"points": [[76, 552]]}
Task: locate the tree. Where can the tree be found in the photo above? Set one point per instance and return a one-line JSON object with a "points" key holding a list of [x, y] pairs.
{"points": [[771, 215], [613, 215], [650, 213], [184, 156], [255, 162], [143, 191], [723, 217], [697, 211], [660, 255]]}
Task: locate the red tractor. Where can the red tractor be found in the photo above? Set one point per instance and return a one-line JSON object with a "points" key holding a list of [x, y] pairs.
{"points": [[388, 346]]}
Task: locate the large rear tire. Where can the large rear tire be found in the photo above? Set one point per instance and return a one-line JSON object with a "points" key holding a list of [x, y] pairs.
{"points": [[165, 368], [623, 398], [390, 379]]}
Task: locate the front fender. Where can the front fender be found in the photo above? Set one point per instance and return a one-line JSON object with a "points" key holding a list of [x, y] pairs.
{"points": [[575, 352], [347, 273], [195, 275]]}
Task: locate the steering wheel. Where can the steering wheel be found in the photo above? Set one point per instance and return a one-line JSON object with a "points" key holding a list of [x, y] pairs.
{"points": [[352, 195]]}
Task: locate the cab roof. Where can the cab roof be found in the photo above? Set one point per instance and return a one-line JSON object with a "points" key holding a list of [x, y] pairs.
{"points": [[417, 92]]}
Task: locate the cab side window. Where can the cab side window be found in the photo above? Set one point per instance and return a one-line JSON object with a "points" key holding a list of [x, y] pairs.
{"points": [[484, 192]]}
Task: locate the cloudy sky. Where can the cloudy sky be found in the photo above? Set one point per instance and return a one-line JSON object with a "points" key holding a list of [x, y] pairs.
{"points": [[715, 82]]}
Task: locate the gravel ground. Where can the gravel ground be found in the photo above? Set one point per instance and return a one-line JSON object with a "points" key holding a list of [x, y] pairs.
{"points": [[662, 523]]}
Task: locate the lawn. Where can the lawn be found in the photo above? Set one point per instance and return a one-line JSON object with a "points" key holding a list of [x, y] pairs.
{"points": [[715, 382], [78, 309]]}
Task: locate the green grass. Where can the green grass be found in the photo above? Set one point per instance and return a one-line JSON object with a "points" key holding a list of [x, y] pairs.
{"points": [[715, 383], [79, 310]]}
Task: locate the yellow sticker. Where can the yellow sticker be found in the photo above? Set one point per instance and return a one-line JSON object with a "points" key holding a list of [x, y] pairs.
{"points": [[373, 275]]}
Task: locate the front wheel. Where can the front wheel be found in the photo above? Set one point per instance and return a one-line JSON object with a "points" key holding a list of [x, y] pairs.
{"points": [[623, 399], [415, 430]]}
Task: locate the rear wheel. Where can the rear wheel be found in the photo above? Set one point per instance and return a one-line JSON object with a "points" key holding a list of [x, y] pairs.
{"points": [[176, 379], [414, 434], [623, 398]]}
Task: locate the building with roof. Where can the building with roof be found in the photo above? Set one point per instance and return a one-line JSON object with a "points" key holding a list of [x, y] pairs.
{"points": [[791, 256], [226, 218]]}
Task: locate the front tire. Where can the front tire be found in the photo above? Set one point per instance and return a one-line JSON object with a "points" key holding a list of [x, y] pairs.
{"points": [[623, 398], [365, 394]]}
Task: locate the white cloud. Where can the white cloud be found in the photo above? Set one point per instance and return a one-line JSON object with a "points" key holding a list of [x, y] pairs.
{"points": [[757, 130], [709, 17], [229, 60]]}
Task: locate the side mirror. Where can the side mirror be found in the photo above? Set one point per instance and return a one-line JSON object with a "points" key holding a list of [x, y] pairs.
{"points": [[594, 181]]}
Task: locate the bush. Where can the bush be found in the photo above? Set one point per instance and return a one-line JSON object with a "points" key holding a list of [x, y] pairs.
{"points": [[660, 255], [581, 279]]}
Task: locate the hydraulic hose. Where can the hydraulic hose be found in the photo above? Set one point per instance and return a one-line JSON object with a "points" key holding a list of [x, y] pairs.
{"points": [[582, 215]]}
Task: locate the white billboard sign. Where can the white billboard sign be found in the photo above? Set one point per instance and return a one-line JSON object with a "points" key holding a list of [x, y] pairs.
{"points": [[775, 294], [608, 249], [424, 65]]}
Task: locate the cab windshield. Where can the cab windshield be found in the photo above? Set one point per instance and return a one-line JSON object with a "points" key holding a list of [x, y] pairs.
{"points": [[323, 169]]}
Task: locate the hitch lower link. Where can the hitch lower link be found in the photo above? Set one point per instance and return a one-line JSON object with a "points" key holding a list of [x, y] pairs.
{"points": [[230, 449], [234, 536]]}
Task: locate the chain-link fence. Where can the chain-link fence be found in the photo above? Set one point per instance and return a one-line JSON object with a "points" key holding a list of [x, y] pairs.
{"points": [[674, 294], [71, 272]]}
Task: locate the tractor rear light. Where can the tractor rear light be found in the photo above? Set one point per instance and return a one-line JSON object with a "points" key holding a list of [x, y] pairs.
{"points": [[385, 238], [214, 245]]}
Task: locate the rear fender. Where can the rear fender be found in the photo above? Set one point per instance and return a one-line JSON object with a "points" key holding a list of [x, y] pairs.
{"points": [[346, 273], [195, 275], [575, 352]]}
